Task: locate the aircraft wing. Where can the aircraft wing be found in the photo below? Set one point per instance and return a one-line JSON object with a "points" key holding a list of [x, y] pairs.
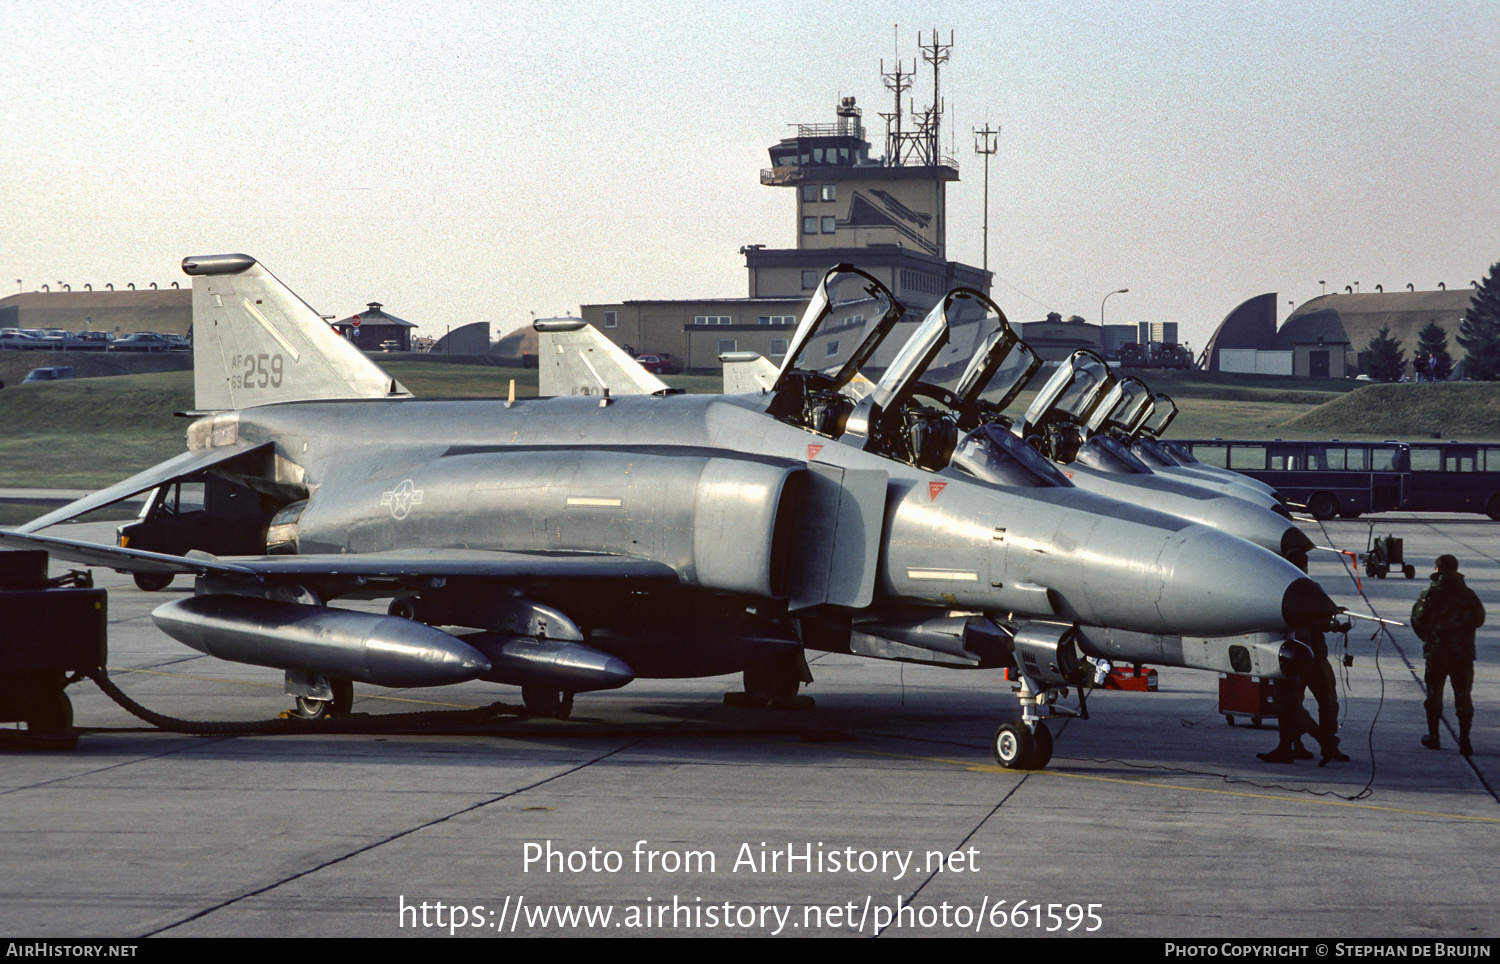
{"points": [[184, 464], [392, 564]]}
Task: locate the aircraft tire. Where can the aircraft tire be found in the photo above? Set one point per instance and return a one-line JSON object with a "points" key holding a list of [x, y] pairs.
{"points": [[543, 701], [776, 680], [342, 702], [1043, 738], [1014, 746], [152, 581]]}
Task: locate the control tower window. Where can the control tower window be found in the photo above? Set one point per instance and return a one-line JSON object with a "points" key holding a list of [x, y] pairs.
{"points": [[809, 279], [809, 193], [809, 225], [829, 225], [828, 192]]}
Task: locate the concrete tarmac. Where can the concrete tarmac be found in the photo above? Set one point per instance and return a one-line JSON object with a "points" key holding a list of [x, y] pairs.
{"points": [[880, 812]]}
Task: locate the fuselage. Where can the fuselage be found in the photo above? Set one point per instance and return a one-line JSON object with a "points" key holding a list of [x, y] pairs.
{"points": [[699, 483]]}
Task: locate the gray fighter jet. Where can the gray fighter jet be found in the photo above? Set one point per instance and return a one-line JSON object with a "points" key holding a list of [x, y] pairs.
{"points": [[1169, 458], [574, 543]]}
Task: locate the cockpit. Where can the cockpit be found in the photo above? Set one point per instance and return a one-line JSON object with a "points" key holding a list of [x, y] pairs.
{"points": [[963, 362], [991, 453]]}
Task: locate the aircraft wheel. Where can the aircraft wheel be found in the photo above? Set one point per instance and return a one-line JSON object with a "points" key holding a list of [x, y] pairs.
{"points": [[543, 701], [772, 680], [340, 705], [1323, 506], [152, 581], [1043, 738], [1015, 747]]}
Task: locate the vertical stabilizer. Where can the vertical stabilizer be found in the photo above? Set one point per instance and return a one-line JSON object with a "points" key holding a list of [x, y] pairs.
{"points": [[746, 372], [255, 342], [573, 358]]}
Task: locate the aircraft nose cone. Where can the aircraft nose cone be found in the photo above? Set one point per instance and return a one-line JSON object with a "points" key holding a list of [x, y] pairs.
{"points": [[1294, 540], [1305, 603]]}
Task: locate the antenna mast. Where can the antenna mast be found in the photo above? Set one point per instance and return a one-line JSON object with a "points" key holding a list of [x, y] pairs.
{"points": [[935, 53]]}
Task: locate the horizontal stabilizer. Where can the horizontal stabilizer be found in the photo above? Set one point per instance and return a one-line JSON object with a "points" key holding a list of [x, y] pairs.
{"points": [[185, 464], [573, 358]]}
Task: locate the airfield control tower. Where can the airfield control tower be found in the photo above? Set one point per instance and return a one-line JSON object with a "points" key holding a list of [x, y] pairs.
{"points": [[886, 214]]}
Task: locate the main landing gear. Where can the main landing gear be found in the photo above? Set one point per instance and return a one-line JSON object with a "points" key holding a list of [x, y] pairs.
{"points": [[317, 697], [541, 701], [773, 684]]}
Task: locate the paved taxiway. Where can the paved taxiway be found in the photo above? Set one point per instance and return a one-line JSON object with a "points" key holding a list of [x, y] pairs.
{"points": [[1155, 812]]}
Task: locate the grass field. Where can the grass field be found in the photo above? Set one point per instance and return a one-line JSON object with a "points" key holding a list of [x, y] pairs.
{"points": [[90, 432]]}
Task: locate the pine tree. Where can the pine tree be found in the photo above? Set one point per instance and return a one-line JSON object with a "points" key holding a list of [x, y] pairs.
{"points": [[1384, 359], [1433, 340], [1479, 332]]}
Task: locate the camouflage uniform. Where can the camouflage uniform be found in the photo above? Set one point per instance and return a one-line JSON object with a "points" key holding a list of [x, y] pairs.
{"points": [[1445, 617]]}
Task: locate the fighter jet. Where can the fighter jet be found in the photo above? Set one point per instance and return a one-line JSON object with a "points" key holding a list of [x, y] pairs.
{"points": [[1169, 458], [573, 543]]}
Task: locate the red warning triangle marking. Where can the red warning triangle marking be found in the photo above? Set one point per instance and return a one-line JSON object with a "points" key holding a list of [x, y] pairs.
{"points": [[812, 451], [933, 488]]}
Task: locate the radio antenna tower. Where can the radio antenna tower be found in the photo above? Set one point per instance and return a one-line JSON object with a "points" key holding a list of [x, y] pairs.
{"points": [[935, 53], [897, 82]]}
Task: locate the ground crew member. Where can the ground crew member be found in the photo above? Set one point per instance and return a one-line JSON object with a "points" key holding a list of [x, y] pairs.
{"points": [[1292, 718], [1445, 617]]}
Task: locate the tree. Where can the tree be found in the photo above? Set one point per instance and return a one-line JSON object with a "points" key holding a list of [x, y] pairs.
{"points": [[1479, 332], [1433, 340], [1385, 361]]}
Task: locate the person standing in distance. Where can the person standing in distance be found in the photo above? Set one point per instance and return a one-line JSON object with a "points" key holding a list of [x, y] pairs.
{"points": [[1444, 618]]}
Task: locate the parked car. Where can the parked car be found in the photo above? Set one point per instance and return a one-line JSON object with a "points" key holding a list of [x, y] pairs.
{"points": [[13, 339], [94, 340], [659, 363], [59, 340], [52, 374], [140, 341]]}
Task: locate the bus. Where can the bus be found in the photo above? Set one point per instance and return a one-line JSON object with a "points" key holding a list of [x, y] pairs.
{"points": [[1348, 479]]}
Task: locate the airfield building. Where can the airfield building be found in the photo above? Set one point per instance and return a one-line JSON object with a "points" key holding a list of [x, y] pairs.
{"points": [[1325, 337], [167, 311]]}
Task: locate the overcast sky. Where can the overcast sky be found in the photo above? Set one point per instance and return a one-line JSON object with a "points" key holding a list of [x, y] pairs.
{"points": [[486, 161]]}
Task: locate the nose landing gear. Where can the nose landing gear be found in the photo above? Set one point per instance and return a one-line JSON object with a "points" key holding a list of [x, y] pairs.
{"points": [[1019, 746]]}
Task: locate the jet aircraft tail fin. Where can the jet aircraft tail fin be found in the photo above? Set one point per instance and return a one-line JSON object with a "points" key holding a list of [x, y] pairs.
{"points": [[256, 342], [573, 358], [746, 372]]}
